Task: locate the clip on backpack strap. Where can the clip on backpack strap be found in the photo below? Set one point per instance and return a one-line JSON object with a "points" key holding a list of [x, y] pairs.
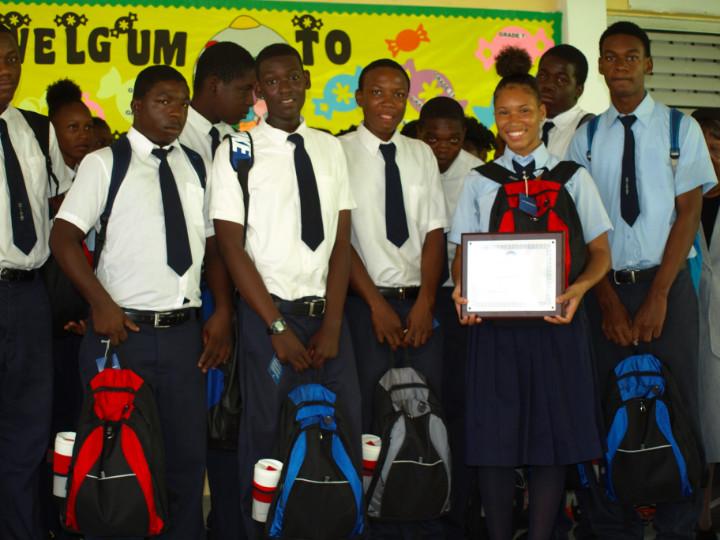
{"points": [[122, 152], [592, 126], [241, 159], [675, 118]]}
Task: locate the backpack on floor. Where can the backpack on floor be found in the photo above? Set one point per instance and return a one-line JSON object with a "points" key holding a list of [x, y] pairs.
{"points": [[116, 484], [412, 475], [319, 495], [652, 454], [555, 209]]}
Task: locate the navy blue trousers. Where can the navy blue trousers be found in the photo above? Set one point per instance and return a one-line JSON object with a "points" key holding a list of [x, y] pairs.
{"points": [[677, 346], [26, 380], [262, 397], [373, 360], [224, 520], [166, 358]]}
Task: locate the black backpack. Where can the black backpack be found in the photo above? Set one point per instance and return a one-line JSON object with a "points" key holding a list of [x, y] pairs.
{"points": [[556, 209], [116, 484], [319, 495], [652, 454], [412, 475]]}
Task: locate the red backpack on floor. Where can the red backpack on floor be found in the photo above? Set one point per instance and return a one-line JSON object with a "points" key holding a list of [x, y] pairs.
{"points": [[116, 484], [555, 209]]}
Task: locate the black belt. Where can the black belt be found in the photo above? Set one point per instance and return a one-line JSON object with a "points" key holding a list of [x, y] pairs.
{"points": [[12, 274], [162, 319], [399, 293], [308, 308], [628, 277]]}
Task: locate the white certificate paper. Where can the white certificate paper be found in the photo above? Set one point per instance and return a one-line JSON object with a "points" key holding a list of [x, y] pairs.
{"points": [[512, 275]]}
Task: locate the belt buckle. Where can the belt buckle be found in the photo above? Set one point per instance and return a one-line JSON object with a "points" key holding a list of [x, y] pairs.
{"points": [[320, 303], [158, 315], [401, 293], [632, 274]]}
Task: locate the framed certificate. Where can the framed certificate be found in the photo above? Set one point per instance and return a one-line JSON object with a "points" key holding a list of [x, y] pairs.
{"points": [[513, 275]]}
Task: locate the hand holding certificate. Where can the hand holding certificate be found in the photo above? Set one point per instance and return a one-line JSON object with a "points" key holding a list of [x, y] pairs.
{"points": [[512, 275]]}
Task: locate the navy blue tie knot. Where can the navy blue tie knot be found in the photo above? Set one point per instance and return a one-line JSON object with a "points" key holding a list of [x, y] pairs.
{"points": [[547, 126], [525, 172], [215, 140]]}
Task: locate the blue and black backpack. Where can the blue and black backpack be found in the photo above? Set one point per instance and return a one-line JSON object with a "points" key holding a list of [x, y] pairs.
{"points": [[320, 494], [652, 454]]}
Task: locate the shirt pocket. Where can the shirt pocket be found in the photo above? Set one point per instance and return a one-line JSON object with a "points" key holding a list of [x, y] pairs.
{"points": [[193, 205]]}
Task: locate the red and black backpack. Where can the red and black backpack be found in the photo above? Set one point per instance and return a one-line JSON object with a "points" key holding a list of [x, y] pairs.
{"points": [[555, 209], [116, 485]]}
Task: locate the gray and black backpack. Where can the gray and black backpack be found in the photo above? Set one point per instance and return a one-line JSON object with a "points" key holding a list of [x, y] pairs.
{"points": [[412, 476]]}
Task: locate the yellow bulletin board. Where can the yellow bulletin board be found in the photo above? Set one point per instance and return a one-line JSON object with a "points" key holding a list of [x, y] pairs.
{"points": [[103, 45]]}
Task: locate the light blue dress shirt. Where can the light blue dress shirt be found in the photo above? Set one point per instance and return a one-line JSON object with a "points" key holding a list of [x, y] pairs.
{"points": [[643, 244], [472, 214]]}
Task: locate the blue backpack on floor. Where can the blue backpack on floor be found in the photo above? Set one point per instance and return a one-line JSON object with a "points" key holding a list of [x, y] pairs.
{"points": [[652, 454], [320, 494]]}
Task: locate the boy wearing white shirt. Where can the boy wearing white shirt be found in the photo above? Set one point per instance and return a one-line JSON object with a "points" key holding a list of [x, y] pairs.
{"points": [[292, 271]]}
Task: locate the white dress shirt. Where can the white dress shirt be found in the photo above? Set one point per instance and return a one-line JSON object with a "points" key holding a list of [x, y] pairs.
{"points": [[387, 264], [565, 125], [453, 180], [289, 268], [133, 266], [196, 134]]}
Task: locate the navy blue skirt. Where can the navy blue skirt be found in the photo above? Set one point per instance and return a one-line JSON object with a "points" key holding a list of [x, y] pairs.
{"points": [[531, 395]]}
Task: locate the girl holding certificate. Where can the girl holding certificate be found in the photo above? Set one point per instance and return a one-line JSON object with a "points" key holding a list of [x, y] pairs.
{"points": [[531, 396]]}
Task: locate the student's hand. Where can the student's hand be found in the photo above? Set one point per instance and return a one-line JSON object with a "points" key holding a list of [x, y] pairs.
{"points": [[616, 322], [419, 324], [217, 340], [649, 319], [323, 346], [77, 327], [289, 349], [387, 324], [570, 300], [111, 322], [467, 320]]}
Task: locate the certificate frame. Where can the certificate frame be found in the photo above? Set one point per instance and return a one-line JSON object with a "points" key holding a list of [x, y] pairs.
{"points": [[526, 269]]}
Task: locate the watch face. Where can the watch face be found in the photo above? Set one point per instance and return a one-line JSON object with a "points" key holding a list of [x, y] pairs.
{"points": [[278, 326]]}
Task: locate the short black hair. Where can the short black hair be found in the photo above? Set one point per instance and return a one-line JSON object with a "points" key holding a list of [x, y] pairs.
{"points": [[630, 29], [152, 75], [61, 93], [410, 129], [225, 60], [382, 62], [5, 29], [709, 118], [273, 51], [573, 56], [99, 122], [478, 135], [513, 65], [441, 107]]}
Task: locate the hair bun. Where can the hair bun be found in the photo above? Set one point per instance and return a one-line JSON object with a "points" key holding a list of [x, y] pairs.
{"points": [[512, 61], [62, 92]]}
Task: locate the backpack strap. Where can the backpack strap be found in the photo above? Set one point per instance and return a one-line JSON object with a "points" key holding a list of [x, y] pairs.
{"points": [[40, 125], [592, 126], [675, 118], [241, 159], [122, 152], [197, 162], [586, 118], [562, 172], [494, 172]]}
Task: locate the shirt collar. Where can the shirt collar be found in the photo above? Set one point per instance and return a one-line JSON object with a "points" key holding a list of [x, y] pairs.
{"points": [[277, 136], [643, 112], [566, 118], [540, 155], [372, 142], [144, 146], [198, 121]]}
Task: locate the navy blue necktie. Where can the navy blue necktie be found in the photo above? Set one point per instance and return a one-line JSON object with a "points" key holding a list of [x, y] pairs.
{"points": [[312, 232], [547, 126], [629, 203], [526, 172], [23, 226], [395, 218], [179, 257], [215, 142]]}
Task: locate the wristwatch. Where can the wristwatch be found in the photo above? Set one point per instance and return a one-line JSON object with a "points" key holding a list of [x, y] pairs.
{"points": [[277, 327]]}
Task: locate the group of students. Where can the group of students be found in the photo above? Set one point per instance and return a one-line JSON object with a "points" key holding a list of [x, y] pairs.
{"points": [[346, 257]]}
